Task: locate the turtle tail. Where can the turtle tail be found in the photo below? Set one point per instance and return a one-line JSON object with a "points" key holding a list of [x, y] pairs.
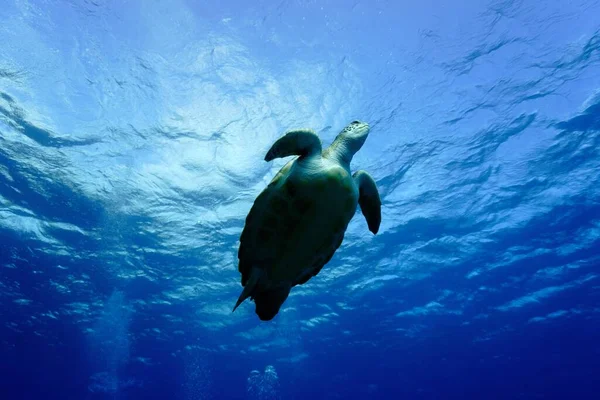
{"points": [[255, 275]]}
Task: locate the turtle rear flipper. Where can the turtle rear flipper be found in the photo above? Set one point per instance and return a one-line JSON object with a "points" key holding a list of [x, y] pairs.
{"points": [[269, 302]]}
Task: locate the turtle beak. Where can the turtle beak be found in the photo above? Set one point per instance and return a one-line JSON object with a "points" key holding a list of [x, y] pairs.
{"points": [[361, 130]]}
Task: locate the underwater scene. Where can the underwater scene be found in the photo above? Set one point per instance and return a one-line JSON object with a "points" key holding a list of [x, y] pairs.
{"points": [[299, 199]]}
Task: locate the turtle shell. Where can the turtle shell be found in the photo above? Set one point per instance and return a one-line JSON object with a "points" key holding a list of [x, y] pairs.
{"points": [[295, 226]]}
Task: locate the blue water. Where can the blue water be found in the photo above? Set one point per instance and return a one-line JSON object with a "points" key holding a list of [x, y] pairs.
{"points": [[132, 137]]}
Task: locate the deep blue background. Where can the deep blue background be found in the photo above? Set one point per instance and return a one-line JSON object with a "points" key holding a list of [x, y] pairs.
{"points": [[131, 143]]}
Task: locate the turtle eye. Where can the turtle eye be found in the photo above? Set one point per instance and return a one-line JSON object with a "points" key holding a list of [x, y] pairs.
{"points": [[355, 122]]}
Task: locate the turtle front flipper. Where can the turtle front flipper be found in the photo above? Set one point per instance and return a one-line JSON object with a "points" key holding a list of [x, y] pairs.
{"points": [[269, 302], [368, 199], [300, 142]]}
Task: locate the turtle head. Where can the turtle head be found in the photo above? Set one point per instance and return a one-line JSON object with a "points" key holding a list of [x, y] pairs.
{"points": [[349, 141], [355, 134]]}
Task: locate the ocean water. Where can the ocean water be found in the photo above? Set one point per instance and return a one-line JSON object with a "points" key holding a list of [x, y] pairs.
{"points": [[132, 137]]}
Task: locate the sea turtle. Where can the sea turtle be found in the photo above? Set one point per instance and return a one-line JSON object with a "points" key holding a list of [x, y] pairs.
{"points": [[299, 219]]}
